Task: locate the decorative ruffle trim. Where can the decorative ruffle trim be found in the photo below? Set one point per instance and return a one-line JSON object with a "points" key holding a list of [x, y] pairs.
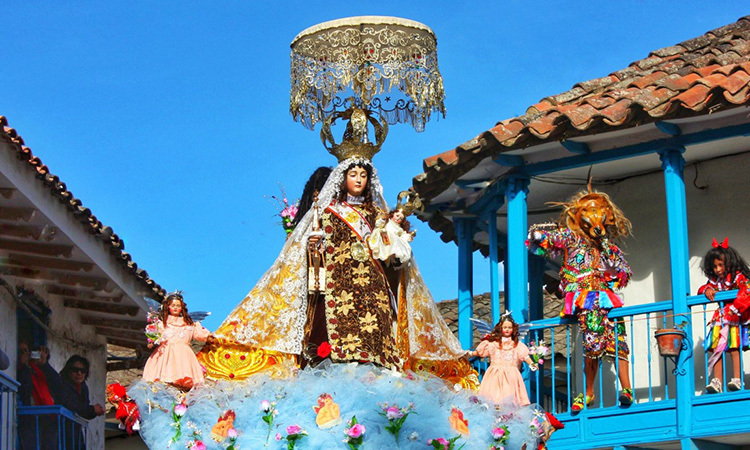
{"points": [[585, 299]]}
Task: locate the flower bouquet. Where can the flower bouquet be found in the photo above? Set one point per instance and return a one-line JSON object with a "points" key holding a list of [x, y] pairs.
{"points": [[396, 416], [293, 434], [268, 412], [153, 335], [539, 351], [445, 444], [288, 211], [355, 434], [500, 437]]}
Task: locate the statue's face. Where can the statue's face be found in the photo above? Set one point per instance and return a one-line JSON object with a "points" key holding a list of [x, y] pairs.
{"points": [[356, 181], [593, 215]]}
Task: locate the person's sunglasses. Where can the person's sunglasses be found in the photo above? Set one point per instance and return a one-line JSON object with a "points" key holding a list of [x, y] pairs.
{"points": [[79, 370]]}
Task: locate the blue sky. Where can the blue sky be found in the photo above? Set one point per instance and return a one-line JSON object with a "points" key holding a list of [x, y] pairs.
{"points": [[170, 120]]}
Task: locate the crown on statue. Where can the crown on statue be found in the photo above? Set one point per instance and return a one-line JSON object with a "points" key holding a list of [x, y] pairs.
{"points": [[355, 142], [409, 201]]}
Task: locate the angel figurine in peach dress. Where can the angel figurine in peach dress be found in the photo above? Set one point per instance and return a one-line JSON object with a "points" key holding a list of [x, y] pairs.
{"points": [[173, 361], [502, 382]]}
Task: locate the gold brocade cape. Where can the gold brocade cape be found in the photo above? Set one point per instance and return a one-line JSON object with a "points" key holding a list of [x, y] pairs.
{"points": [[265, 332]]}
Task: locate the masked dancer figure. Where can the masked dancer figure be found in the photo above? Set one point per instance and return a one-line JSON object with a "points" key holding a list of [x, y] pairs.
{"points": [[593, 267]]}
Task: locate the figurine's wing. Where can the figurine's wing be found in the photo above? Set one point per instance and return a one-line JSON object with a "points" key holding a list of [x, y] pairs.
{"points": [[481, 326], [523, 330], [197, 316], [153, 305]]}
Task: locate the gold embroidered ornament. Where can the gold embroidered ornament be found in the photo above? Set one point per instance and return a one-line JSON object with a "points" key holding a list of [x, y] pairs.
{"points": [[360, 58]]}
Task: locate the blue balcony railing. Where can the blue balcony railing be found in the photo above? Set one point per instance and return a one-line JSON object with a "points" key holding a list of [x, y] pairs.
{"points": [[653, 415], [50, 427], [8, 393]]}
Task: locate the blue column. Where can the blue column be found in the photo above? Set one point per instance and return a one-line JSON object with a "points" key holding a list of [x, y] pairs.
{"points": [[517, 292], [465, 232], [673, 164], [536, 282], [491, 216]]}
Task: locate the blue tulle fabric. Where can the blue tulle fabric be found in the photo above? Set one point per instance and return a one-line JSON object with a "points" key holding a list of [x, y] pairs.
{"points": [[356, 388]]}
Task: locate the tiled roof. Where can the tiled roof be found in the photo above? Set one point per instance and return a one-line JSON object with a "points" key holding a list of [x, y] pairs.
{"points": [[82, 214], [696, 77]]}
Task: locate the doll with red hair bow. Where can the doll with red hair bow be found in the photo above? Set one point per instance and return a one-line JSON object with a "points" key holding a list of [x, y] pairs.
{"points": [[726, 270]]}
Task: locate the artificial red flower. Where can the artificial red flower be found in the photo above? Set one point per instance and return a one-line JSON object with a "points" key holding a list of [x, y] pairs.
{"points": [[324, 350], [554, 422]]}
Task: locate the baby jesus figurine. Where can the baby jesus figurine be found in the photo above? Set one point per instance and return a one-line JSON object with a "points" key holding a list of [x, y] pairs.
{"points": [[389, 241]]}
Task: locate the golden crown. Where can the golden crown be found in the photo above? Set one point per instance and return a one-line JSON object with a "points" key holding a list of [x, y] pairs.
{"points": [[355, 141], [412, 202]]}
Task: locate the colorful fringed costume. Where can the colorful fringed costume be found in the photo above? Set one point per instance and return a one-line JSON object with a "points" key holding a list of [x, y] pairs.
{"points": [[588, 278], [723, 330]]}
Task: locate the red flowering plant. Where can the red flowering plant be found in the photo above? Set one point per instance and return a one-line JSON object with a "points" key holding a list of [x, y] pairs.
{"points": [[355, 434]]}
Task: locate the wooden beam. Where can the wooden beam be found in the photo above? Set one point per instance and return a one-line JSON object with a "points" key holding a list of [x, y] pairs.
{"points": [[101, 307], [70, 280], [37, 248], [124, 343], [81, 294], [15, 259], [108, 301], [21, 231], [114, 323], [133, 335], [14, 214], [126, 365], [97, 283]]}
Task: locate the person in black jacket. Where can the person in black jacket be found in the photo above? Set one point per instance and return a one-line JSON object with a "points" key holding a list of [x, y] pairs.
{"points": [[70, 390]]}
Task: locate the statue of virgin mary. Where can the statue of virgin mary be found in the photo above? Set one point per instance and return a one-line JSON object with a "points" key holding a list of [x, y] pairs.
{"points": [[356, 314]]}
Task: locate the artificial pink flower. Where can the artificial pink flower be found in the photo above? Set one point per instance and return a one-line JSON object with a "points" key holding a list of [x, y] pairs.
{"points": [[293, 429], [392, 412], [265, 406], [356, 431], [232, 433], [278, 436], [198, 445], [180, 409], [497, 433]]}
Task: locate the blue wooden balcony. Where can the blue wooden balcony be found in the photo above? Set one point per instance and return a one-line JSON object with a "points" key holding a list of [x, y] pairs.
{"points": [[8, 393], [659, 417], [50, 427]]}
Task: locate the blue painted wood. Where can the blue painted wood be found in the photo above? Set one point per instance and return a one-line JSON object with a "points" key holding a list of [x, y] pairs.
{"points": [[465, 233], [673, 165], [635, 150], [668, 128], [491, 216], [575, 147], [509, 160], [536, 286], [516, 189]]}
